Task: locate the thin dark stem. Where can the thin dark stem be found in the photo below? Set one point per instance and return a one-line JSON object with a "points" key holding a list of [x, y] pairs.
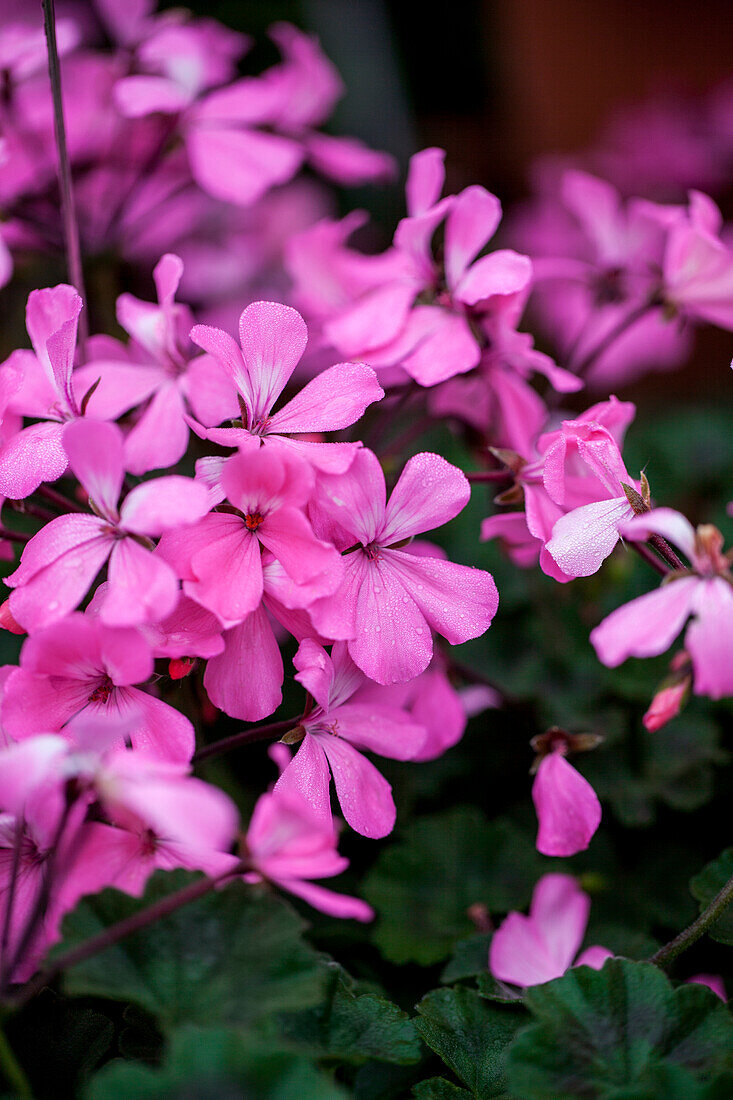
{"points": [[246, 737], [478, 476], [62, 503], [698, 928], [610, 338], [127, 927], [650, 558], [14, 536], [25, 508], [71, 227], [666, 552]]}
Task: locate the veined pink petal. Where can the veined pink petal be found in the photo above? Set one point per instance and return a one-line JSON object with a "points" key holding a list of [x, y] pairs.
{"points": [[471, 223], [334, 399], [567, 808], [34, 703], [273, 339], [122, 386], [375, 319], [315, 671], [155, 506], [582, 539], [96, 455], [228, 571], [328, 901], [307, 776], [357, 500], [502, 272], [364, 794], [429, 492], [379, 728], [561, 909], [425, 177], [239, 166], [446, 347], [36, 454], [709, 638], [141, 586], [52, 316], [245, 681], [209, 390], [288, 535], [645, 626], [457, 600]]}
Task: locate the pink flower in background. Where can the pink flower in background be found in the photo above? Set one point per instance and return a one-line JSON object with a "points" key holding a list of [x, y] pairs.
{"points": [[648, 625], [288, 845], [530, 950], [334, 731], [395, 598], [713, 982], [60, 562], [568, 810], [273, 338], [698, 265]]}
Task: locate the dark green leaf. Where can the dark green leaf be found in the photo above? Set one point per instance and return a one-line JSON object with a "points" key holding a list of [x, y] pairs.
{"points": [[437, 1088], [710, 882], [605, 1033], [470, 1035], [203, 1063], [470, 958], [233, 956], [423, 886]]}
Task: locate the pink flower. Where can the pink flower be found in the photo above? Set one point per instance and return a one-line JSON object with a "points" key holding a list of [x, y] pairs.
{"points": [[273, 338], [80, 666], [567, 807], [698, 266], [394, 598], [59, 563], [648, 625], [288, 844], [332, 730], [530, 950]]}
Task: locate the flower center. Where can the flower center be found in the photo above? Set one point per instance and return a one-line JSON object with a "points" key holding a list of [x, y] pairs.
{"points": [[102, 691], [372, 551], [253, 520]]}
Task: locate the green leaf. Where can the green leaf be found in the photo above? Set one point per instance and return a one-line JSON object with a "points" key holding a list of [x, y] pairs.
{"points": [[437, 1088], [469, 959], [232, 957], [203, 1063], [605, 1034], [423, 885], [470, 1035], [710, 882], [355, 1028]]}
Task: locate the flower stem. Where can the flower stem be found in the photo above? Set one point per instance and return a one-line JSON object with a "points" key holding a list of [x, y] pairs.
{"points": [[478, 476], [237, 740], [13, 1071], [14, 536], [116, 932], [62, 503], [68, 212], [610, 338], [698, 928]]}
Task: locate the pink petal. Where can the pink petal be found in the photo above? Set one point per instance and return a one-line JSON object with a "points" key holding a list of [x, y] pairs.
{"points": [[315, 671], [594, 957], [446, 348], [502, 272], [223, 348], [665, 522], [518, 953], [160, 731], [582, 539], [382, 729], [348, 161], [36, 454], [96, 455], [166, 502], [430, 491], [141, 586], [375, 319], [138, 95], [425, 177], [356, 500], [35, 703], [709, 638], [245, 681], [273, 339], [52, 316], [646, 626], [457, 600], [228, 571], [567, 808], [307, 776], [471, 223], [560, 909], [239, 166], [334, 399], [364, 794], [328, 901], [209, 390], [288, 535], [122, 386], [160, 437]]}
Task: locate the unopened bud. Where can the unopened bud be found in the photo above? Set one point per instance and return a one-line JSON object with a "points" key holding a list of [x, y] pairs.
{"points": [[666, 704], [7, 622], [178, 667]]}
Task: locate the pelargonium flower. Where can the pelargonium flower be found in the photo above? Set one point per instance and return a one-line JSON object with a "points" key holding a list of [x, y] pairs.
{"points": [[332, 734], [61, 561], [648, 625], [272, 339], [393, 597], [80, 666], [530, 950], [288, 845]]}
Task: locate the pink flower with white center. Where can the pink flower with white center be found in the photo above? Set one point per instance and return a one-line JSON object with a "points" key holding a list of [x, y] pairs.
{"points": [[288, 845], [46, 392], [648, 625], [334, 731], [60, 562], [395, 598], [272, 339], [530, 950], [80, 666], [267, 491], [568, 810], [156, 372]]}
